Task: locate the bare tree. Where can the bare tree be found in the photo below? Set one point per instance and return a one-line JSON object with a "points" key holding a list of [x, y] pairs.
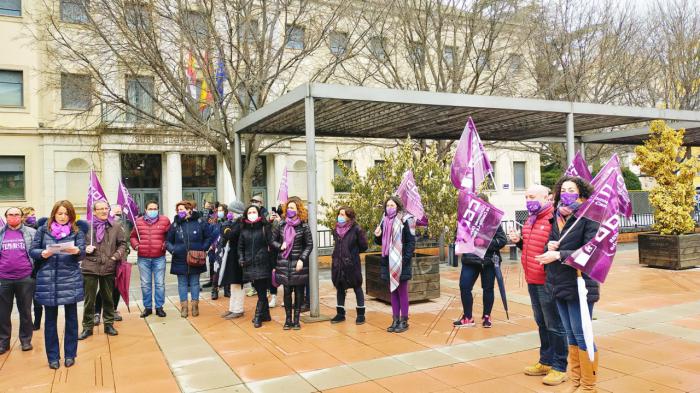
{"points": [[195, 67]]}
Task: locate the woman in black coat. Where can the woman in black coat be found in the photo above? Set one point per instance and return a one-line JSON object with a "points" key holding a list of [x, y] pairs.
{"points": [[566, 237], [346, 270], [472, 267], [255, 259], [294, 242], [398, 225]]}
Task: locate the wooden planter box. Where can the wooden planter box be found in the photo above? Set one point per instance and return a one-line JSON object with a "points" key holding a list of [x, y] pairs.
{"points": [[669, 251], [425, 284]]}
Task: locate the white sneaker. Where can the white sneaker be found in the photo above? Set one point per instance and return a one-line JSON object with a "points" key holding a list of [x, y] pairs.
{"points": [[251, 292], [273, 301]]}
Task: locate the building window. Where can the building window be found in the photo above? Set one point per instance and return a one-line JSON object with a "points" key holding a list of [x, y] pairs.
{"points": [[198, 171], [75, 91], [294, 37], [515, 62], [139, 93], [416, 52], [338, 43], [196, 24], [137, 17], [519, 175], [11, 178], [11, 7], [379, 162], [11, 88], [449, 55], [141, 170], [340, 182], [490, 185], [248, 99], [248, 32], [74, 11], [482, 62], [377, 46]]}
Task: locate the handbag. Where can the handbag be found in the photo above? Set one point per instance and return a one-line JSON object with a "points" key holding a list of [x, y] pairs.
{"points": [[196, 258]]}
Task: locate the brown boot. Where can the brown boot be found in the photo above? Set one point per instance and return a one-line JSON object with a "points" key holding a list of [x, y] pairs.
{"points": [[183, 309], [195, 308], [574, 368], [589, 372]]}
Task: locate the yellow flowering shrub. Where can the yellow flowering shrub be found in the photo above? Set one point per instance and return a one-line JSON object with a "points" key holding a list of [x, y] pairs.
{"points": [[664, 158]]}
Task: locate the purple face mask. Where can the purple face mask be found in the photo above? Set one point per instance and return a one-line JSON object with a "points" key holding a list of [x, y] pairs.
{"points": [[182, 213], [31, 220], [291, 213], [390, 211], [567, 198], [533, 207], [229, 216]]}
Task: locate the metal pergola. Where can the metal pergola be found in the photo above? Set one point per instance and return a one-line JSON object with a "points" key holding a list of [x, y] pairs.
{"points": [[314, 109]]}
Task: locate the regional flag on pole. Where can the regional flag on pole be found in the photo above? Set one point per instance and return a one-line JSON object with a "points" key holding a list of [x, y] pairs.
{"points": [[470, 165], [191, 75]]}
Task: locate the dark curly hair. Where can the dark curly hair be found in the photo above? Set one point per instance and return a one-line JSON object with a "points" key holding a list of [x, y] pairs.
{"points": [[585, 189]]}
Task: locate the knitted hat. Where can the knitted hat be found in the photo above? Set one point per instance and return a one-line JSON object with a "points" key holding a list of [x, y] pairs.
{"points": [[237, 207]]}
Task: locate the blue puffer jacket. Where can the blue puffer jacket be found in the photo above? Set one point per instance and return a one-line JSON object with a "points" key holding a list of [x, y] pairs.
{"points": [[193, 233], [58, 278]]}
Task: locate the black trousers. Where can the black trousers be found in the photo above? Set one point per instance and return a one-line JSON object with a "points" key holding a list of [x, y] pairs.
{"points": [[298, 291], [261, 286], [23, 291]]}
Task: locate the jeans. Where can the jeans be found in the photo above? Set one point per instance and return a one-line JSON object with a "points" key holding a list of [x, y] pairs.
{"points": [[553, 349], [359, 296], [70, 335], [106, 286], [185, 281], [467, 279], [23, 291], [152, 271], [570, 313]]}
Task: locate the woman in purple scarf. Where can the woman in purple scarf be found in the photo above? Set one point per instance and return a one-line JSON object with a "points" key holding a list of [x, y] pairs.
{"points": [[346, 270], [294, 242], [396, 233]]}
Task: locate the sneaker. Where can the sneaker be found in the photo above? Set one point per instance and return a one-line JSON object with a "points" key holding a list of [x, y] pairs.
{"points": [[273, 301], [486, 321], [251, 292], [554, 378], [464, 322], [538, 369]]}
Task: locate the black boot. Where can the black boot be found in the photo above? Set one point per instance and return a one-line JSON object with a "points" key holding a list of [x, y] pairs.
{"points": [[403, 325], [227, 291], [297, 325], [394, 325], [214, 293], [340, 315], [360, 316], [146, 312], [265, 314], [256, 319], [288, 320]]}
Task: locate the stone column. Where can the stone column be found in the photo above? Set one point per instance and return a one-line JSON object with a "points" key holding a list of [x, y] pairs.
{"points": [[173, 183], [111, 174]]}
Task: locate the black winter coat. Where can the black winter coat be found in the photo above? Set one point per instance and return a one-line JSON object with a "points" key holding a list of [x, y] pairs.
{"points": [[409, 246], [254, 251], [561, 278], [499, 241], [184, 235], [285, 268], [346, 270], [230, 234]]}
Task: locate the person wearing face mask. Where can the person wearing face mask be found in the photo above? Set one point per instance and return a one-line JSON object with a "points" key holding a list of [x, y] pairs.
{"points": [[535, 234], [108, 248], [218, 218], [115, 215], [150, 247], [346, 270], [255, 259], [294, 242], [189, 233], [274, 219], [59, 281], [396, 233], [564, 239], [232, 275], [16, 280], [29, 220]]}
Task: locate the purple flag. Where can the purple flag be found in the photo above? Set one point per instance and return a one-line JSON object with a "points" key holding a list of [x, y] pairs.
{"points": [[283, 193], [95, 193], [579, 168], [2, 223], [624, 200], [408, 192], [604, 199], [130, 208], [477, 222], [470, 165]]}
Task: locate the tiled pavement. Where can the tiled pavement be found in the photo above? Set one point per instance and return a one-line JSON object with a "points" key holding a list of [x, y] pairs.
{"points": [[647, 329]]}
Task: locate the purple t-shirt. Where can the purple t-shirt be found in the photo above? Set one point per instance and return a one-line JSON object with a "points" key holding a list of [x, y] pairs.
{"points": [[14, 261]]}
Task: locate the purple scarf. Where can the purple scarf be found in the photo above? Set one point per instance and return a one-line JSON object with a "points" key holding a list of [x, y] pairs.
{"points": [[532, 218], [289, 234], [149, 220], [100, 229], [386, 233], [59, 231], [342, 229]]}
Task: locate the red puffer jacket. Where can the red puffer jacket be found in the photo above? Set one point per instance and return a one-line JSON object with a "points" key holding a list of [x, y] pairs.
{"points": [[533, 243], [152, 243]]}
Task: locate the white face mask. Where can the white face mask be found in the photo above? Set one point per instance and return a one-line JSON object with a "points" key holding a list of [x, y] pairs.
{"points": [[252, 217]]}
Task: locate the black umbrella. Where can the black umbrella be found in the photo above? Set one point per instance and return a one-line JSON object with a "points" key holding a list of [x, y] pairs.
{"points": [[501, 284]]}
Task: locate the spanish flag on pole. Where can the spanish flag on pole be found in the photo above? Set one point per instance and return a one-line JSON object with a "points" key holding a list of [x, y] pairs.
{"points": [[204, 96]]}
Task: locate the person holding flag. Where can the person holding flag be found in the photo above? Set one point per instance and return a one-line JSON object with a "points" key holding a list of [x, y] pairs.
{"points": [[396, 233], [568, 235]]}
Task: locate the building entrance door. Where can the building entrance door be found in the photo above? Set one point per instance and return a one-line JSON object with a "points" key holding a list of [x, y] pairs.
{"points": [[201, 195], [144, 195]]}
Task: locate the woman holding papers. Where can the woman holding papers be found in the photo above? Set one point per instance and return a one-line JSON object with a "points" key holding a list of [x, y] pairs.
{"points": [[567, 236], [57, 249]]}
